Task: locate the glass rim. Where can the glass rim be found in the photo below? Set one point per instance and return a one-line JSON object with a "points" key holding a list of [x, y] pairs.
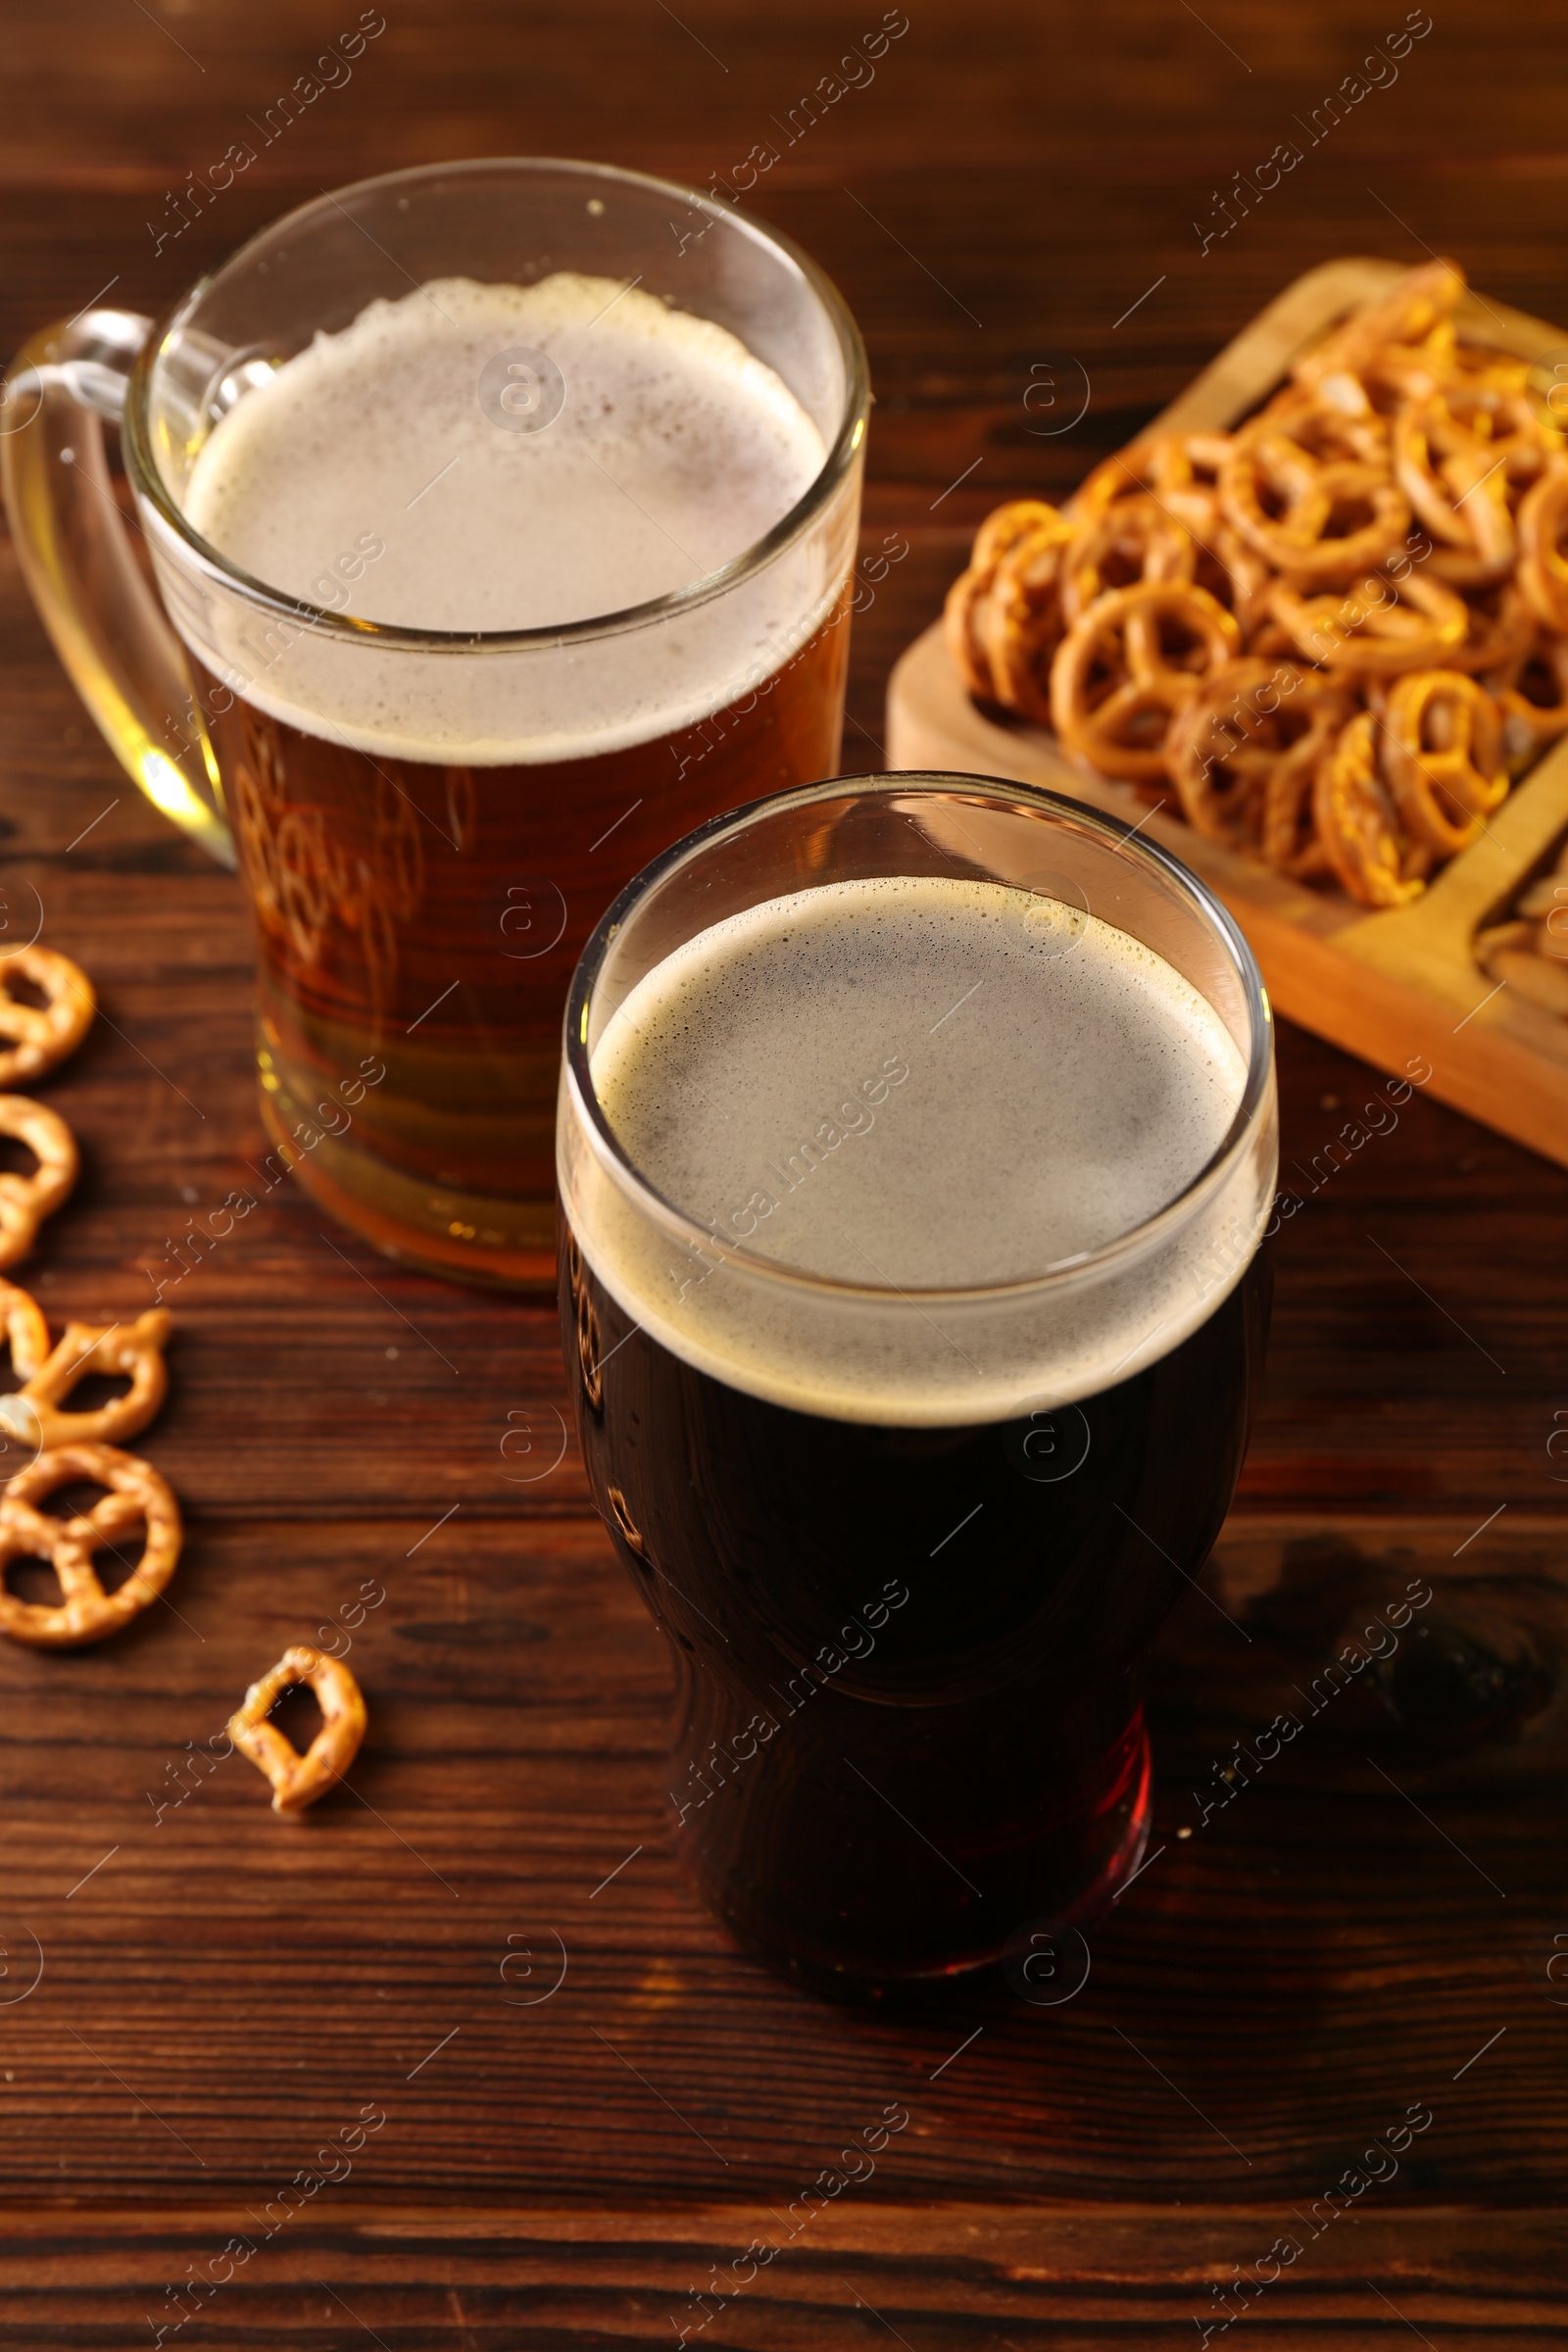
{"points": [[147, 480], [1058, 808]]}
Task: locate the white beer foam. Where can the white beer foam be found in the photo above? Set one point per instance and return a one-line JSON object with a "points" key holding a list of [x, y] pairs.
{"points": [[915, 1084], [675, 450]]}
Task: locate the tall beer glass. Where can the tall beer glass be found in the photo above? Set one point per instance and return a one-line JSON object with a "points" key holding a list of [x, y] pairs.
{"points": [[916, 1135], [506, 514]]}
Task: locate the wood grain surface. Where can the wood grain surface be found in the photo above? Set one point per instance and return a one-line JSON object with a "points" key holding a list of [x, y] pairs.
{"points": [[518, 2087]]}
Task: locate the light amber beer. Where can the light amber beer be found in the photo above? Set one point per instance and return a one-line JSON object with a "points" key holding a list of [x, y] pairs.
{"points": [[387, 889]]}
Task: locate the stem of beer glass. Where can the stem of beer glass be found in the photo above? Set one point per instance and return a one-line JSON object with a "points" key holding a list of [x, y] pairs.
{"points": [[76, 556]]}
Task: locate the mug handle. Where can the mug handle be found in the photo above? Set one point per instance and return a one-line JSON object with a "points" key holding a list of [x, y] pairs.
{"points": [[95, 599]]}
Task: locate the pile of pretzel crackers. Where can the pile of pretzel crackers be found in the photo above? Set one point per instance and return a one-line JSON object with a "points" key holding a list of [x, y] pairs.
{"points": [[1335, 635]]}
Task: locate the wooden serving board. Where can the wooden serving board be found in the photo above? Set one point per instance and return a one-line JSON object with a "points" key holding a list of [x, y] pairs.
{"points": [[1391, 986]]}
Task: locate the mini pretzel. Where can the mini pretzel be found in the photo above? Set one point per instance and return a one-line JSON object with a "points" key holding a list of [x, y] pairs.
{"points": [[25, 1201], [1127, 663], [1531, 952], [1332, 420], [1270, 642], [1444, 757], [1378, 623], [1184, 470], [1459, 568], [1476, 365], [1234, 573], [1131, 539], [137, 1498], [962, 617], [1509, 953], [1213, 756], [1532, 694], [1342, 391], [1126, 474], [1180, 462], [27, 1330], [298, 1781], [1492, 404], [33, 1411], [45, 1033], [1543, 564], [1500, 631], [968, 599], [1314, 535], [1394, 375], [1413, 325], [1021, 625], [1357, 823], [1006, 524], [1456, 454], [1244, 751]]}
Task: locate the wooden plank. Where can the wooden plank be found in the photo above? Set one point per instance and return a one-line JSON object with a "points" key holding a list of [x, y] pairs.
{"points": [[934, 2275], [490, 1938]]}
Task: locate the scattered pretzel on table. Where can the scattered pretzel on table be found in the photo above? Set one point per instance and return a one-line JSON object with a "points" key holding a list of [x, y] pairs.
{"points": [[25, 1201], [44, 1033], [1396, 512], [299, 1779], [138, 1500], [35, 1412]]}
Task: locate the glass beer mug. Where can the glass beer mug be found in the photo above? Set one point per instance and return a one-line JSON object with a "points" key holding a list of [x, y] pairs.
{"points": [[916, 1138], [504, 514]]}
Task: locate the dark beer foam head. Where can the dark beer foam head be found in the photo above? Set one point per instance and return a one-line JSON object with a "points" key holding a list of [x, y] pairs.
{"points": [[918, 1086], [379, 473], [946, 1083]]}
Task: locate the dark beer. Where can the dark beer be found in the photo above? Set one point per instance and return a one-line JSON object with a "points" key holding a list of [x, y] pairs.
{"points": [[907, 1660], [909, 1516]]}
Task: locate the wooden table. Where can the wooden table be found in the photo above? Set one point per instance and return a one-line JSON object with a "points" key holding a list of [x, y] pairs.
{"points": [[1377, 1920]]}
